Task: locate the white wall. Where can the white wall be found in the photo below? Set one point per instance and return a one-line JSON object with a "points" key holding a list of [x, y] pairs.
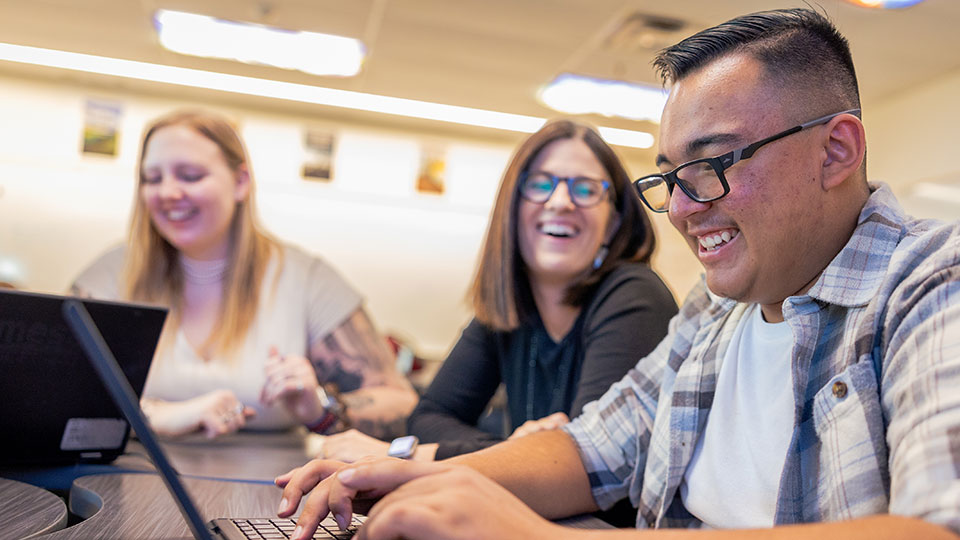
{"points": [[411, 255], [912, 138]]}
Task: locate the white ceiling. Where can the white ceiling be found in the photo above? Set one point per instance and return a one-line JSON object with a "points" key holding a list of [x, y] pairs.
{"points": [[488, 54]]}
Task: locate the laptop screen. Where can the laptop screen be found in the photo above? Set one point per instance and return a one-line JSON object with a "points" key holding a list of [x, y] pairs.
{"points": [[55, 408]]}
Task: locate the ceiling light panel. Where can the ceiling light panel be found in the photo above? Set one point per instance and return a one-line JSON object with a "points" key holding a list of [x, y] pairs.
{"points": [[576, 94], [310, 52], [884, 4]]}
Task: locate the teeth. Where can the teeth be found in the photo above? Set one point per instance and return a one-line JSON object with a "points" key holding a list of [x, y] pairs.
{"points": [[557, 229], [178, 215], [712, 242]]}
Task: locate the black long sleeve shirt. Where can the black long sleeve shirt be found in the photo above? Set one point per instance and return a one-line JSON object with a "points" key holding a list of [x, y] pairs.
{"points": [[623, 321]]}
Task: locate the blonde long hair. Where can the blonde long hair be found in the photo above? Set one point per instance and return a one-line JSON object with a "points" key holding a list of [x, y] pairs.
{"points": [[152, 272]]}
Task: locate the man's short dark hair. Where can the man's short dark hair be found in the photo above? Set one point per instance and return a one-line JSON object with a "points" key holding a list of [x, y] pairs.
{"points": [[800, 49]]}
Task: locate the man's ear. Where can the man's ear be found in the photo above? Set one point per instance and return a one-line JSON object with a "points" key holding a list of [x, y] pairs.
{"points": [[845, 146], [242, 187]]}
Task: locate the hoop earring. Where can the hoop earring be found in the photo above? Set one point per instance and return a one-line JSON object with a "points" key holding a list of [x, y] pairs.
{"points": [[601, 256]]}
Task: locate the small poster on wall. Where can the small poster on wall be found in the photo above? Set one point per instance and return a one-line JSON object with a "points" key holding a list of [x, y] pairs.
{"points": [[318, 149], [101, 127], [433, 165]]}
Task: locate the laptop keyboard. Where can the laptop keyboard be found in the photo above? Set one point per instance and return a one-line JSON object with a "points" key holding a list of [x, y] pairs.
{"points": [[279, 529]]}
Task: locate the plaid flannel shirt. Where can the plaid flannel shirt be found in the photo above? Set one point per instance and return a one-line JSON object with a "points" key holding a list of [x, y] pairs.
{"points": [[876, 370]]}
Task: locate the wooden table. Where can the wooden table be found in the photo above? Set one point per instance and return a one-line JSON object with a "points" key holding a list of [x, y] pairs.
{"points": [[246, 456], [27, 511], [118, 501], [132, 505], [227, 477], [135, 505]]}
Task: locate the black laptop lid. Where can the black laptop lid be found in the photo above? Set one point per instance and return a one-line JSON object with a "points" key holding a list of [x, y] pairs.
{"points": [[54, 407], [102, 359]]}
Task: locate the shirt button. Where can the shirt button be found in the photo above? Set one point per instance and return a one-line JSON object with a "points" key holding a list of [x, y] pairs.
{"points": [[840, 389]]}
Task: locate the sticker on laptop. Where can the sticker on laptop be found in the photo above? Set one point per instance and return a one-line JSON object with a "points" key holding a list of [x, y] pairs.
{"points": [[87, 433]]}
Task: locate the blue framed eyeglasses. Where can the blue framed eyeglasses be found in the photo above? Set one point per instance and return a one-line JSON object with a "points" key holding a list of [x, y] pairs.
{"points": [[538, 186]]}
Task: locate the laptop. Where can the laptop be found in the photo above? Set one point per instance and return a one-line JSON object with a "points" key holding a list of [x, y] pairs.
{"points": [[56, 410], [85, 328]]}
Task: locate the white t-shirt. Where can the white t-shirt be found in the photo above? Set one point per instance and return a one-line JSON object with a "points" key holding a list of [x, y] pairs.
{"points": [[310, 301], [734, 475]]}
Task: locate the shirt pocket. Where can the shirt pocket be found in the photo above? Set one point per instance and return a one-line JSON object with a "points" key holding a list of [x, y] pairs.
{"points": [[850, 452]]}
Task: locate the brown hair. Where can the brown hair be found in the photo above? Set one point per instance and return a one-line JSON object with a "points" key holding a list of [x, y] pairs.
{"points": [[152, 272], [501, 291]]}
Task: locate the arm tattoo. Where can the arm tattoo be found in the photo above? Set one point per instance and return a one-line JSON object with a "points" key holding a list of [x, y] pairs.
{"points": [[353, 355], [356, 360]]}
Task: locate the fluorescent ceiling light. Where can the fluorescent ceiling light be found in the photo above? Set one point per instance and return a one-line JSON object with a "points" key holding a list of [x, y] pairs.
{"points": [[311, 52], [303, 93], [575, 94], [884, 4]]}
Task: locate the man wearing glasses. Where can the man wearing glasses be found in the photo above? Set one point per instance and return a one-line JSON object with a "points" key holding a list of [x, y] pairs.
{"points": [[809, 387]]}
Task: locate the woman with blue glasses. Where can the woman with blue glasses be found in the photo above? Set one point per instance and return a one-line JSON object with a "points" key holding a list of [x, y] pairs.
{"points": [[565, 301]]}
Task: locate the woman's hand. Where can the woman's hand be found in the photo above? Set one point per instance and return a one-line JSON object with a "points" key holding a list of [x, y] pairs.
{"points": [[351, 446], [553, 421], [292, 380], [221, 412], [215, 413]]}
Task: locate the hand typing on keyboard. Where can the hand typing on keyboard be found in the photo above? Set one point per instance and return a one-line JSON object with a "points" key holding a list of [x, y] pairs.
{"points": [[411, 500], [282, 529]]}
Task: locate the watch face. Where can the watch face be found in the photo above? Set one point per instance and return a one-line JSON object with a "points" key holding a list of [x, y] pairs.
{"points": [[402, 447], [324, 398]]}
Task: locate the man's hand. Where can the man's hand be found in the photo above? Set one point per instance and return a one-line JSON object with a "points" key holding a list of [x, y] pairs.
{"points": [[409, 500], [442, 501], [324, 480]]}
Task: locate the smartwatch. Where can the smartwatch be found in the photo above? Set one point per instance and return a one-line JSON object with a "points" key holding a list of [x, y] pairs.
{"points": [[403, 447]]}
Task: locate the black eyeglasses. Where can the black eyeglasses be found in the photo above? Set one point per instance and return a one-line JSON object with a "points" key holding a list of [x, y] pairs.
{"points": [[702, 179], [538, 187]]}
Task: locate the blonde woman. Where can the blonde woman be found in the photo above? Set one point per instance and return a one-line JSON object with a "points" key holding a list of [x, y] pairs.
{"points": [[260, 335]]}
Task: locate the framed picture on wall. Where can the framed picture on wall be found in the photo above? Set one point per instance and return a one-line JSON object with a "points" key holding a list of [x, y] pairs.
{"points": [[433, 164], [318, 152], [101, 127]]}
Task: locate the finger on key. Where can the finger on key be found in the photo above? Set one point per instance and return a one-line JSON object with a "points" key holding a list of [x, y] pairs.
{"points": [[301, 480], [340, 501]]}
